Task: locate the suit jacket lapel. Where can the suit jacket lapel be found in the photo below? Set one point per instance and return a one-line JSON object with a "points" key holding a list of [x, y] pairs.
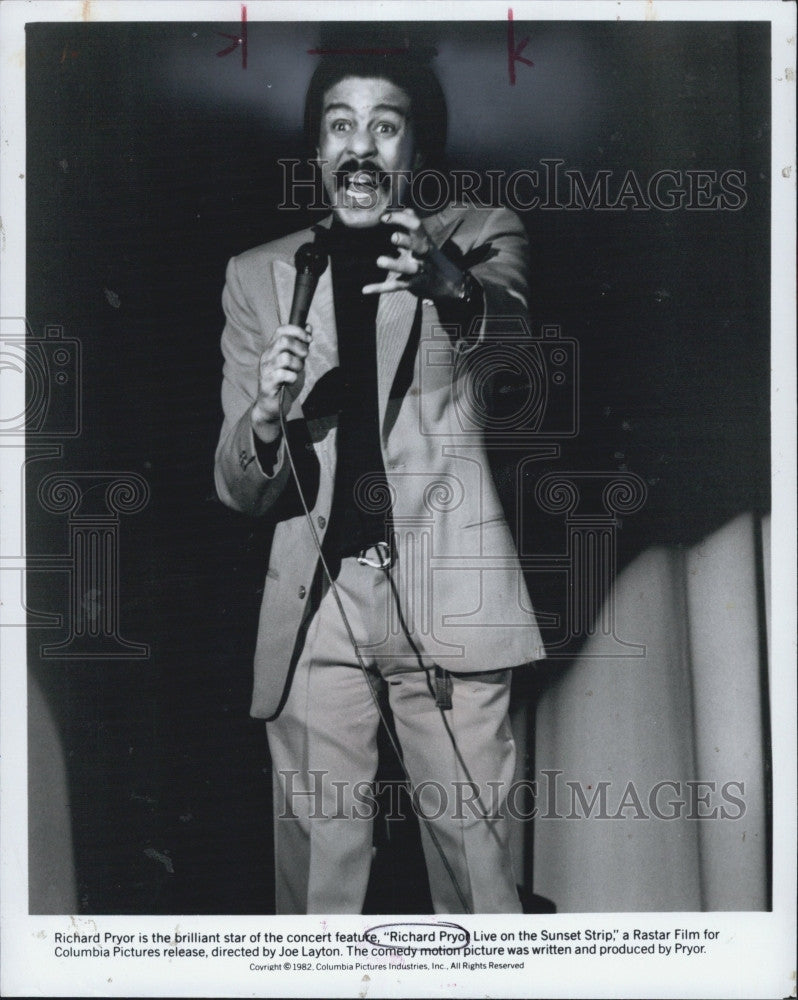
{"points": [[442, 227], [395, 314]]}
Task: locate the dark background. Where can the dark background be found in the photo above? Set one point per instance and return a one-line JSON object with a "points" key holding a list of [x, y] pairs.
{"points": [[150, 161]]}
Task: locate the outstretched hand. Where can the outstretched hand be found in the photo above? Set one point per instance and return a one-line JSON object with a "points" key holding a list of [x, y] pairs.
{"points": [[420, 268]]}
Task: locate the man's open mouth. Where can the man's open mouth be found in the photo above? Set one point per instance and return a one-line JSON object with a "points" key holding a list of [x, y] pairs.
{"points": [[361, 183]]}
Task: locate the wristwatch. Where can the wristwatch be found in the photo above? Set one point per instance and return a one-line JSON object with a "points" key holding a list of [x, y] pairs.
{"points": [[470, 296]]}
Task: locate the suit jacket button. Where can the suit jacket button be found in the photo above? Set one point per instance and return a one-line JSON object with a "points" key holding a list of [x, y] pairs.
{"points": [[301, 592], [322, 521]]}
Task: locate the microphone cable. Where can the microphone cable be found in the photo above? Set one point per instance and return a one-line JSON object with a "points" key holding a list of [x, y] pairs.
{"points": [[364, 669]]}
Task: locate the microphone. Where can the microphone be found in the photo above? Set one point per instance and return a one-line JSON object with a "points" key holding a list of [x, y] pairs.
{"points": [[310, 264]]}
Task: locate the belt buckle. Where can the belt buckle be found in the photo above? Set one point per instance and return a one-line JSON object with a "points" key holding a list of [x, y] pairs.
{"points": [[384, 556]]}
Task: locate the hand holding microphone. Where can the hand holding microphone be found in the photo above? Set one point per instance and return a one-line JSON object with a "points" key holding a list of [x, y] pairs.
{"points": [[283, 362]]}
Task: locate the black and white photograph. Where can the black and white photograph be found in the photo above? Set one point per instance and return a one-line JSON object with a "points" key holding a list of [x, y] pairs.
{"points": [[398, 462]]}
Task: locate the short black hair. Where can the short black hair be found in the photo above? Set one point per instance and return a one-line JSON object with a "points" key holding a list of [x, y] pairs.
{"points": [[411, 73]]}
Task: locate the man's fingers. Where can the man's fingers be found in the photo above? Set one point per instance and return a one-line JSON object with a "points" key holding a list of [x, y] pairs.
{"points": [[402, 240], [304, 333], [285, 359], [285, 336], [417, 243], [392, 285], [401, 265], [403, 217], [281, 365], [278, 377], [292, 344], [285, 352]]}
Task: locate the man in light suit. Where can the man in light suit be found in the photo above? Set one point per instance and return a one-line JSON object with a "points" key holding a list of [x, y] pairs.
{"points": [[382, 424]]}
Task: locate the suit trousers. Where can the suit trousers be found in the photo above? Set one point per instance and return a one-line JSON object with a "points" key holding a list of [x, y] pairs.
{"points": [[323, 745]]}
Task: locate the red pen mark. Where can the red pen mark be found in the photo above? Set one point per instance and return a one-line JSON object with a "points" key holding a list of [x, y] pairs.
{"points": [[239, 41], [514, 51]]}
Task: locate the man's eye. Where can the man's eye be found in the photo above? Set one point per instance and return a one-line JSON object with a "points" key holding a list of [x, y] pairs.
{"points": [[341, 125], [387, 128]]}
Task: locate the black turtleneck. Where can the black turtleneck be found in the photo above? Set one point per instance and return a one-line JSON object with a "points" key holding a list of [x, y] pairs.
{"points": [[360, 515]]}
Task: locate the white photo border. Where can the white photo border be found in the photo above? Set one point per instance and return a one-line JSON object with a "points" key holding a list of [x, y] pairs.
{"points": [[754, 952]]}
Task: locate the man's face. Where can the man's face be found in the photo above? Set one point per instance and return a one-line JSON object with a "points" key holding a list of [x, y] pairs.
{"points": [[365, 141]]}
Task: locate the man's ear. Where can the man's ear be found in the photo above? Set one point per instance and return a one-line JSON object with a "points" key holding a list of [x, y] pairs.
{"points": [[418, 160]]}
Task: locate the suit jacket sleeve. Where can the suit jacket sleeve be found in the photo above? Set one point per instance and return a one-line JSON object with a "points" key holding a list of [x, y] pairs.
{"points": [[499, 260], [241, 482]]}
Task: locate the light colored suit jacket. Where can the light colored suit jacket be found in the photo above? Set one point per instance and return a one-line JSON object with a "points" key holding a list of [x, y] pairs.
{"points": [[459, 579]]}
